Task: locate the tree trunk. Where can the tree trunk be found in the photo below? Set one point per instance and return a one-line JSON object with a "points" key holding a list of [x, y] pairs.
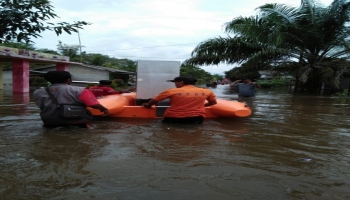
{"points": [[296, 84]]}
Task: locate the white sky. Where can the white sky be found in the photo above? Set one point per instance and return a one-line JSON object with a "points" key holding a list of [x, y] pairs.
{"points": [[150, 29]]}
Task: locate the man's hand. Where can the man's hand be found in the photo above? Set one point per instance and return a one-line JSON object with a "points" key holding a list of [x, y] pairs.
{"points": [[146, 105], [149, 104], [105, 112], [210, 103], [101, 108]]}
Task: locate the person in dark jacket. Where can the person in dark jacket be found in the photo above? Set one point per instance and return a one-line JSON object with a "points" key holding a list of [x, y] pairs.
{"points": [[65, 94]]}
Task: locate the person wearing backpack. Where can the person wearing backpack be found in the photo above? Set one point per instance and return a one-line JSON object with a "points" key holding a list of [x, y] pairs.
{"points": [[53, 99]]}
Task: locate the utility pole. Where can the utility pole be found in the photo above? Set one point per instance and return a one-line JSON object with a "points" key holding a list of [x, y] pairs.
{"points": [[81, 56]]}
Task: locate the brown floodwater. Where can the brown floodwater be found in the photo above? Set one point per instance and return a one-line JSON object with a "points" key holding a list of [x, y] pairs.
{"points": [[289, 148]]}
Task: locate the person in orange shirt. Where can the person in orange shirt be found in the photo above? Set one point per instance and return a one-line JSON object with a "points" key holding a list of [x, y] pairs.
{"points": [[187, 102]]}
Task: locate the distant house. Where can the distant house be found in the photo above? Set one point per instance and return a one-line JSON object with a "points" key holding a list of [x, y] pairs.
{"points": [[80, 73], [266, 74], [344, 82]]}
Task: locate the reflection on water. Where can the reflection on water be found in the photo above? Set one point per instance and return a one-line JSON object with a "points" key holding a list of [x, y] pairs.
{"points": [[289, 148]]}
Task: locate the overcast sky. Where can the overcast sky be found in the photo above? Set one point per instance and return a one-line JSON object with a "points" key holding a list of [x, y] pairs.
{"points": [[150, 29]]}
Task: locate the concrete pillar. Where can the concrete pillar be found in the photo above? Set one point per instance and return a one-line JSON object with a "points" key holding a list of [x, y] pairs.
{"points": [[20, 76], [1, 78], [21, 98], [61, 67]]}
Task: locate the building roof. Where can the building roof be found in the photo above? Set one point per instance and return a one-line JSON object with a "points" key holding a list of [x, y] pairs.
{"points": [[8, 54], [112, 70]]}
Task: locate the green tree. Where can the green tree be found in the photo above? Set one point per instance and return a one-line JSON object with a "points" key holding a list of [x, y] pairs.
{"points": [[48, 51], [241, 72], [23, 19], [127, 65], [69, 50], [217, 77], [311, 42], [19, 45], [110, 62], [201, 75], [99, 59]]}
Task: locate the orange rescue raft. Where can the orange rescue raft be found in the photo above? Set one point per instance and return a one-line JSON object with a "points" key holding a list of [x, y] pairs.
{"points": [[123, 105]]}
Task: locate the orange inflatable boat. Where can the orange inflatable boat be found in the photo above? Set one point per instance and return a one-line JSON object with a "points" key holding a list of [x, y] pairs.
{"points": [[124, 106]]}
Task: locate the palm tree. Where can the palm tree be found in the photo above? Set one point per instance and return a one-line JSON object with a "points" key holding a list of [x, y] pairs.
{"points": [[310, 41]]}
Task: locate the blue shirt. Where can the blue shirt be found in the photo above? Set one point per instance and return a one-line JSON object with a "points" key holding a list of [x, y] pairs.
{"points": [[245, 90]]}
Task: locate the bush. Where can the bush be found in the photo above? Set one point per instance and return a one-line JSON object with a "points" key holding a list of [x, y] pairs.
{"points": [[274, 83], [343, 94], [118, 84], [38, 81]]}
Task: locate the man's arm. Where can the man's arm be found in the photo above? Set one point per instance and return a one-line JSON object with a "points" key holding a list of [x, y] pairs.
{"points": [[235, 82], [256, 84], [114, 92], [211, 99], [210, 103], [149, 104], [160, 97], [90, 100], [101, 108]]}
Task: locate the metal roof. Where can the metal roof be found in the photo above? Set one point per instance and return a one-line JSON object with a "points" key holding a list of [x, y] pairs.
{"points": [[37, 70], [7, 54]]}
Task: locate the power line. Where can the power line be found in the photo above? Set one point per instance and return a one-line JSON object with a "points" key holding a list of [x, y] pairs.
{"points": [[145, 47]]}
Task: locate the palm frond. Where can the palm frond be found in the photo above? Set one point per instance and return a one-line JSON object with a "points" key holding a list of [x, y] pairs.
{"points": [[279, 13], [306, 41]]}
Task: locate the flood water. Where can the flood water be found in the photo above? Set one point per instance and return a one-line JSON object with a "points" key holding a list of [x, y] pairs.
{"points": [[289, 148]]}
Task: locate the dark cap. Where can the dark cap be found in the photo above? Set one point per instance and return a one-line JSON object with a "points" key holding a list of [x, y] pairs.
{"points": [[184, 79], [105, 82]]}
